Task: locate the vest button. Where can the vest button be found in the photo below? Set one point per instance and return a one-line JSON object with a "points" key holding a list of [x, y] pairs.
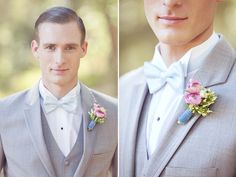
{"points": [[67, 162]]}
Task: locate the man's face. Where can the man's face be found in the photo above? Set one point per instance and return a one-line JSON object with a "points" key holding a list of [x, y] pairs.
{"points": [[179, 22], [59, 50]]}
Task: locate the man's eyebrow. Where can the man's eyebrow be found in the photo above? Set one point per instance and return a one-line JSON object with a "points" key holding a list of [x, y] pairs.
{"points": [[47, 44], [73, 44], [67, 44]]}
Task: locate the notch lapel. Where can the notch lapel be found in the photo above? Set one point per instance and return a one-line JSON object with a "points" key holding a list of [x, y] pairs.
{"points": [[34, 125], [218, 65], [215, 70], [137, 98], [89, 136], [171, 138]]}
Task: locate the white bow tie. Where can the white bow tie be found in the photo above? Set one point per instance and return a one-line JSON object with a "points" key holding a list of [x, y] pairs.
{"points": [[156, 78], [68, 104]]}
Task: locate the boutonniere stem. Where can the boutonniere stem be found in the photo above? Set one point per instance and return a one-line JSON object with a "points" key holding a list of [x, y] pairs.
{"points": [[198, 100]]}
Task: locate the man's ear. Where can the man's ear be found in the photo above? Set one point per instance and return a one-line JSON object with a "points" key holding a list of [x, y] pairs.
{"points": [[34, 48], [84, 47]]}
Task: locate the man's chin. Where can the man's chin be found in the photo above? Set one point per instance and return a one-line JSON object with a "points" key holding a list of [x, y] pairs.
{"points": [[60, 81], [173, 40], [171, 37]]}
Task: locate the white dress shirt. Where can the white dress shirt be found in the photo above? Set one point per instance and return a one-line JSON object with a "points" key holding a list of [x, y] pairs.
{"points": [[165, 102], [63, 125]]}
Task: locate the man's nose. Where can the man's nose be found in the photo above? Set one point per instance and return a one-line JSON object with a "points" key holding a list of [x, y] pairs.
{"points": [[59, 57], [172, 3]]}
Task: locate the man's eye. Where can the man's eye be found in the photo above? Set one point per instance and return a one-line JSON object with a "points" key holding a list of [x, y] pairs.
{"points": [[70, 48], [52, 48]]}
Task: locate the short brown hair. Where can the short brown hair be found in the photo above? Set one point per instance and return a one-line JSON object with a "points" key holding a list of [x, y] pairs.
{"points": [[60, 15]]}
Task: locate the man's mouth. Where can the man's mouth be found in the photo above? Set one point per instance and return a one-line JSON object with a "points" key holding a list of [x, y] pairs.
{"points": [[171, 19], [59, 71]]}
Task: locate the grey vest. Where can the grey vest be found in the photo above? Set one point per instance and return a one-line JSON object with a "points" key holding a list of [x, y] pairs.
{"points": [[63, 166], [141, 157]]}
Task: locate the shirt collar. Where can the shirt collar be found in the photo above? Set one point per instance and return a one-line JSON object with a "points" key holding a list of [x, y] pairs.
{"points": [[44, 92], [192, 59]]}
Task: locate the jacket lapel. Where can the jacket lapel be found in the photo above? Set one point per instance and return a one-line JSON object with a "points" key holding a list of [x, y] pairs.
{"points": [[215, 70], [34, 125], [138, 95], [217, 66], [89, 136]]}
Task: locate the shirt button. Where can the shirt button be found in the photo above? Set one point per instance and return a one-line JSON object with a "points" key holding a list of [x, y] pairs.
{"points": [[158, 119], [67, 162]]}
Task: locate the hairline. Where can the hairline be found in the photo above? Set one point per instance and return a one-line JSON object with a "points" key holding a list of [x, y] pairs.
{"points": [[36, 35]]}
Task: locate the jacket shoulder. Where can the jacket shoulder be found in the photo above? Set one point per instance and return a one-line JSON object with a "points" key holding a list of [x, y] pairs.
{"points": [[130, 79], [16, 98], [134, 74]]}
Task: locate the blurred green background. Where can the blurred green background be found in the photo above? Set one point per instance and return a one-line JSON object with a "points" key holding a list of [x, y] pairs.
{"points": [[18, 68], [137, 41]]}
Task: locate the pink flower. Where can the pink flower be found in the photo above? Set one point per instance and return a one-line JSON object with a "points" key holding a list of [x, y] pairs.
{"points": [[193, 87], [193, 98], [99, 111]]}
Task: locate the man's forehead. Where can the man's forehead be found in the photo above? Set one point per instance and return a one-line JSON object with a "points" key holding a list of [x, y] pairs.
{"points": [[59, 33], [49, 27], [46, 41]]}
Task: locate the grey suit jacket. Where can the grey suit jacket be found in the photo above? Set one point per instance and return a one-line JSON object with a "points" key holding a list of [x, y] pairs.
{"points": [[204, 147], [23, 152]]}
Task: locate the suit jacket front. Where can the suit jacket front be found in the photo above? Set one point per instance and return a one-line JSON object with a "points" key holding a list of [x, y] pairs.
{"points": [[204, 147], [23, 152]]}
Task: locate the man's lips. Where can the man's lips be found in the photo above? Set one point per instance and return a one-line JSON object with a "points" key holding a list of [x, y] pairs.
{"points": [[171, 19], [59, 70]]}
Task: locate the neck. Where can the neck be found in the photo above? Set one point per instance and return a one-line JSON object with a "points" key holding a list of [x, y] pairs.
{"points": [[173, 53], [57, 90]]}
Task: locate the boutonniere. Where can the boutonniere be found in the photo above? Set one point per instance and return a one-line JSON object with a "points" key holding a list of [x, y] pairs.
{"points": [[198, 100], [97, 116]]}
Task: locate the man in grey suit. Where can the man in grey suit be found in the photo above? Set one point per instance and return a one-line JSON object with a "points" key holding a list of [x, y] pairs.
{"points": [[153, 98], [60, 127]]}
